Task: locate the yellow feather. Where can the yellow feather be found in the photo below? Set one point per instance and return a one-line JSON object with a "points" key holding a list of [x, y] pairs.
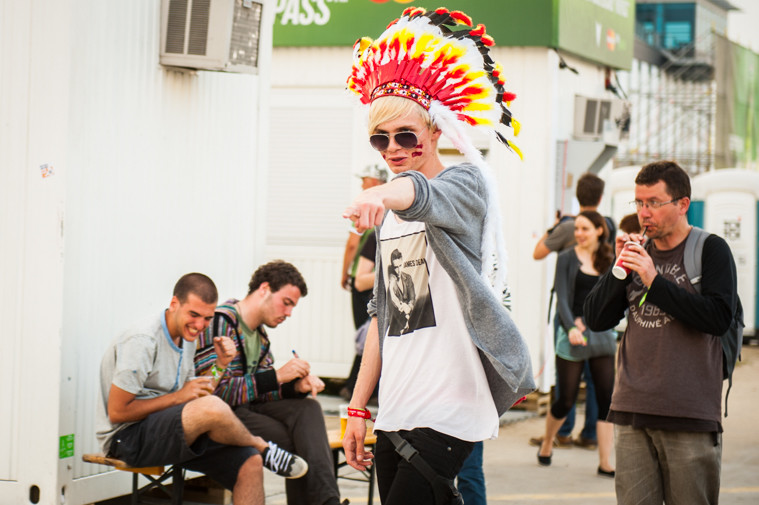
{"points": [[516, 149], [516, 125]]}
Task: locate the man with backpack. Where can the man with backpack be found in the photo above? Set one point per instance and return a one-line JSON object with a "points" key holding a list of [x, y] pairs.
{"points": [[667, 395]]}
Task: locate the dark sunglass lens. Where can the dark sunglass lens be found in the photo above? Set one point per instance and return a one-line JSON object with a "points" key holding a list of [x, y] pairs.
{"points": [[379, 142], [406, 140]]}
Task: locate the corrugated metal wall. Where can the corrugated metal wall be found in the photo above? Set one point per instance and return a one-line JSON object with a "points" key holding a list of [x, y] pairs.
{"points": [[33, 112], [157, 173], [14, 94], [162, 181]]}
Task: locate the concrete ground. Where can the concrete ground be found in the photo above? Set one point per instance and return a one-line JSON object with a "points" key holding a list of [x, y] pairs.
{"points": [[514, 477]]}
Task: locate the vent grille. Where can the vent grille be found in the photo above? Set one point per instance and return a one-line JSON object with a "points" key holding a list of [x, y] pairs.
{"points": [[246, 30], [176, 26], [589, 125], [199, 27]]}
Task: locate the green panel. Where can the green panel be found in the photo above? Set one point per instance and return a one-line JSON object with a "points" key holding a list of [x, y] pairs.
{"points": [[66, 446], [746, 107], [696, 213], [325, 23], [602, 31]]}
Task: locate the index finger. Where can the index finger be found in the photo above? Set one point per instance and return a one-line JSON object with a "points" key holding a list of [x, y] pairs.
{"points": [[351, 213]]}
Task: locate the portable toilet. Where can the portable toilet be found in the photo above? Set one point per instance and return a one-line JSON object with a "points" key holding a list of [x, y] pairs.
{"points": [[724, 202]]}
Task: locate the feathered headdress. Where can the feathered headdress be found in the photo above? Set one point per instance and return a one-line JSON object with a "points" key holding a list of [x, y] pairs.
{"points": [[437, 59]]}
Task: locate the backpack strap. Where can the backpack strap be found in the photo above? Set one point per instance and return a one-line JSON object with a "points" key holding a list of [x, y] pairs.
{"points": [[694, 250], [443, 488]]}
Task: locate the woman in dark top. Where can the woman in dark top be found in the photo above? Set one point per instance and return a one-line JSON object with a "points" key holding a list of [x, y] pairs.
{"points": [[577, 271]]}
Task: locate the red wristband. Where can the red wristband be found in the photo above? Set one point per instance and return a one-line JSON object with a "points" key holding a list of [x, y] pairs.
{"points": [[362, 413]]}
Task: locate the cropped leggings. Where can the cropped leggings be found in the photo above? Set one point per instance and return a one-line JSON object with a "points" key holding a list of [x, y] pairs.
{"points": [[569, 374]]}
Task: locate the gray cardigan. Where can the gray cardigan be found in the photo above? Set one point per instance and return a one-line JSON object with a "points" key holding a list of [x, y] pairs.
{"points": [[453, 205], [567, 266]]}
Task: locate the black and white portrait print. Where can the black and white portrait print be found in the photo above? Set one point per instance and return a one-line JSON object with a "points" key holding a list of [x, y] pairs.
{"points": [[407, 281]]}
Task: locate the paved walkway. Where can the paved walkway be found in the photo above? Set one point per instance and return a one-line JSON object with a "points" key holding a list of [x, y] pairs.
{"points": [[514, 477]]}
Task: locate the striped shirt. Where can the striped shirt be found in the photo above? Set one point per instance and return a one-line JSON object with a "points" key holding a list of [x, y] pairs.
{"points": [[240, 383]]}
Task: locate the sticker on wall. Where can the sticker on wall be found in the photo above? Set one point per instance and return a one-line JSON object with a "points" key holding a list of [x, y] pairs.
{"points": [[732, 229], [46, 170], [66, 446]]}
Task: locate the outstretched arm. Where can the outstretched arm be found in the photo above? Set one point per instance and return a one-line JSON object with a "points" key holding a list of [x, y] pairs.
{"points": [[368, 209]]}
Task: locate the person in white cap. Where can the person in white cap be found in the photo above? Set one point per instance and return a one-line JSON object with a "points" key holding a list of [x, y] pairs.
{"points": [[371, 176]]}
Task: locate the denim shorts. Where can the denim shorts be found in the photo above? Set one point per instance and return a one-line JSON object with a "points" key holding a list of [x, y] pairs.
{"points": [[159, 440]]}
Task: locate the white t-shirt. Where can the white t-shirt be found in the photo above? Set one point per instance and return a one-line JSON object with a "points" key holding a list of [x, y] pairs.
{"points": [[432, 376]]}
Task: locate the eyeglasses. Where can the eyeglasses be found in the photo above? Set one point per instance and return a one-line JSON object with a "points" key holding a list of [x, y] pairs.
{"points": [[381, 141], [639, 204]]}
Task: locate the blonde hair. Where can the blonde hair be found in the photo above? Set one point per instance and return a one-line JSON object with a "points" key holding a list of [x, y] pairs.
{"points": [[390, 108]]}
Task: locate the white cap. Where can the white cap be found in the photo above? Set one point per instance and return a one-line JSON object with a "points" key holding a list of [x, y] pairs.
{"points": [[374, 171]]}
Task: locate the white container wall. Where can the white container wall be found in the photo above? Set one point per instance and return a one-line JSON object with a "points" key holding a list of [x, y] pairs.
{"points": [[119, 176], [730, 211]]}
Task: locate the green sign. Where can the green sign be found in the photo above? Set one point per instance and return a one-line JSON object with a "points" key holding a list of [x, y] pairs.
{"points": [[66, 446], [745, 127], [599, 30], [737, 118], [320, 23]]}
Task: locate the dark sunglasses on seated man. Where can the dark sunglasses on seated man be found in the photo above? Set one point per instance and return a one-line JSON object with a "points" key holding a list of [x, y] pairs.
{"points": [[381, 141]]}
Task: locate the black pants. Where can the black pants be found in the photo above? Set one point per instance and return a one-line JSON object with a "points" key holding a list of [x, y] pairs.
{"points": [[297, 425], [399, 483], [569, 374]]}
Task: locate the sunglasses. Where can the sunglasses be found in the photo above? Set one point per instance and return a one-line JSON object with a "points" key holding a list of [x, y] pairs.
{"points": [[381, 141]]}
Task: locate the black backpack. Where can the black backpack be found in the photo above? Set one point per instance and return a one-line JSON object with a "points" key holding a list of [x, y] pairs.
{"points": [[732, 340]]}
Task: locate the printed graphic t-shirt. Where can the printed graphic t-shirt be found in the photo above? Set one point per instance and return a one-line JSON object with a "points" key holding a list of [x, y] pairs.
{"points": [[432, 376]]}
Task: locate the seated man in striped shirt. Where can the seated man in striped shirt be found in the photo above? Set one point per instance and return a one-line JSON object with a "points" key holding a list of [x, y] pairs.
{"points": [[154, 411], [273, 403]]}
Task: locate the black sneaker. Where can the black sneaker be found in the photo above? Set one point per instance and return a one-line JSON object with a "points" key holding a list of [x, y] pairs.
{"points": [[284, 463]]}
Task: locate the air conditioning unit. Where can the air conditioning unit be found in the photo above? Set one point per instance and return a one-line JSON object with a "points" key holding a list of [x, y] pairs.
{"points": [[597, 118], [218, 35]]}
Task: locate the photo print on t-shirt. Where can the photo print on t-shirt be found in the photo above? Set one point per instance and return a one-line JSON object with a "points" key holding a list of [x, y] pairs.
{"points": [[406, 278]]}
